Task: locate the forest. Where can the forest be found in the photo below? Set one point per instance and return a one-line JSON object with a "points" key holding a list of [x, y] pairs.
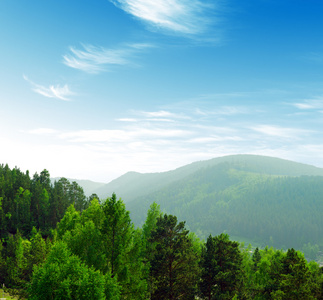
{"points": [[56, 243], [276, 210]]}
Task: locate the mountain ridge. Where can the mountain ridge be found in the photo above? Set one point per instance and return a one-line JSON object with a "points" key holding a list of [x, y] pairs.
{"points": [[134, 184]]}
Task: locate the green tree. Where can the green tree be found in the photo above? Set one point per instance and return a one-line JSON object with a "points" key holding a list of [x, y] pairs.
{"points": [[77, 196], [69, 221], [15, 262], [117, 230], [121, 249], [148, 247], [43, 210], [207, 284], [64, 276], [38, 251], [221, 268], [256, 257], [295, 279], [174, 265]]}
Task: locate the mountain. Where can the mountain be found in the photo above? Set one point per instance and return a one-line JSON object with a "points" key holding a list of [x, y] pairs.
{"points": [[133, 185], [263, 199]]}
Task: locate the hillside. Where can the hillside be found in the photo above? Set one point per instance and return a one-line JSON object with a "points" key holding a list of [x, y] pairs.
{"points": [[133, 185], [264, 199]]}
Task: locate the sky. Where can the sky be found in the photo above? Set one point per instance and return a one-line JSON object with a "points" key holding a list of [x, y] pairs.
{"points": [[92, 89]]}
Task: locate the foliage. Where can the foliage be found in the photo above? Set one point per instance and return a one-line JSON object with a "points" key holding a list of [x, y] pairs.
{"points": [[221, 265], [56, 245], [64, 276], [27, 202], [174, 265]]}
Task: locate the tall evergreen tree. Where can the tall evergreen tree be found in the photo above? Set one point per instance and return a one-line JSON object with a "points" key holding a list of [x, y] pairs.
{"points": [[221, 268], [174, 266], [294, 279], [207, 284]]}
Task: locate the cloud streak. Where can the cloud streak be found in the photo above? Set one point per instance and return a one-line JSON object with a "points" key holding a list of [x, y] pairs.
{"points": [[308, 104], [178, 16], [57, 92], [94, 60], [281, 132]]}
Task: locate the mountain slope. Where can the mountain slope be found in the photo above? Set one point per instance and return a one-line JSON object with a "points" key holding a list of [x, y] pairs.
{"points": [[133, 185], [259, 198]]}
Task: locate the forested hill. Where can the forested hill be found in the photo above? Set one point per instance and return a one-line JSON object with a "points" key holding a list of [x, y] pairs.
{"points": [[133, 185], [259, 198]]}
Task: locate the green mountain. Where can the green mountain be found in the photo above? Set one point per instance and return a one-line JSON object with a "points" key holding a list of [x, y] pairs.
{"points": [[133, 185], [264, 199]]}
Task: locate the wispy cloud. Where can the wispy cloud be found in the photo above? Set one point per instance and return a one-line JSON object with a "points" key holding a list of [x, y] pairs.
{"points": [[58, 92], [93, 59], [162, 115], [123, 135], [179, 16], [281, 132], [315, 103]]}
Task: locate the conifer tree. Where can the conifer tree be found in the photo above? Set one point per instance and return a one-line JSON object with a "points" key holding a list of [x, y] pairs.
{"points": [[207, 284], [221, 269], [174, 266]]}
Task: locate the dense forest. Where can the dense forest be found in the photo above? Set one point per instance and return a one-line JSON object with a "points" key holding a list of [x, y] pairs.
{"points": [[280, 210], [58, 244]]}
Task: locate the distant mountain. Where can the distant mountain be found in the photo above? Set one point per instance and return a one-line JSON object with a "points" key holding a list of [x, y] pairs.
{"points": [[89, 187], [264, 199], [133, 185]]}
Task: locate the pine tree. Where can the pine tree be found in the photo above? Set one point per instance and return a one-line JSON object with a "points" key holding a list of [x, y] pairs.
{"points": [[174, 266], [221, 269], [256, 257], [207, 285]]}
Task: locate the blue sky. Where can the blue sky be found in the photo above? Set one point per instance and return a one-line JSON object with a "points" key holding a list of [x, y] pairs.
{"points": [[93, 89]]}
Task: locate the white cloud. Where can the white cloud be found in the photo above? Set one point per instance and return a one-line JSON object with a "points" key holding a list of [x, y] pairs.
{"points": [[215, 139], [131, 120], [97, 59], [303, 105], [58, 92], [41, 131], [131, 134], [162, 115], [179, 16], [280, 132], [224, 111], [315, 103]]}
